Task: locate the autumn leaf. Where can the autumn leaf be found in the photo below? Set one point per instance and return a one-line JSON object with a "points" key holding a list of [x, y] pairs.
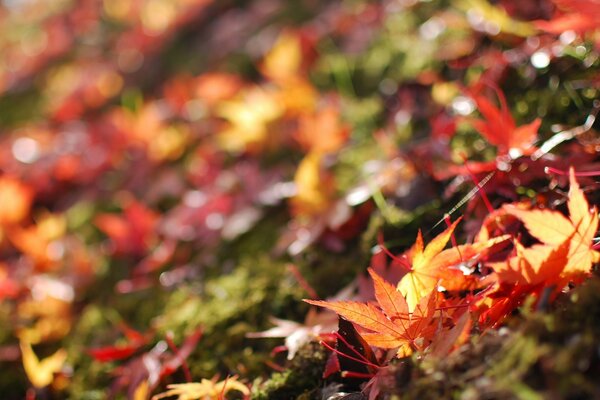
{"points": [[353, 357], [143, 373], [457, 335], [390, 322], [9, 287], [497, 301], [499, 128], [314, 187], [284, 60], [37, 240], [553, 228], [322, 131], [215, 87], [432, 266], [533, 265], [297, 96], [204, 390], [16, 198], [41, 373], [111, 353], [51, 317], [248, 116], [133, 232], [575, 15]]}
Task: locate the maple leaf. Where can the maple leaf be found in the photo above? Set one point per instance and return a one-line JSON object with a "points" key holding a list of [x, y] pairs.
{"points": [[575, 15], [41, 372], [215, 87], [50, 311], [37, 239], [204, 390], [111, 353], [9, 286], [432, 266], [454, 337], [284, 60], [332, 132], [249, 117], [497, 301], [533, 265], [141, 374], [314, 186], [391, 325], [499, 128], [553, 228], [132, 233], [352, 356], [16, 198]]}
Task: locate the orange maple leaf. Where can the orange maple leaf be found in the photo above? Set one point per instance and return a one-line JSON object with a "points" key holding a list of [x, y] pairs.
{"points": [[432, 266], [16, 198], [322, 131], [315, 187], [390, 324], [554, 229], [533, 265], [36, 240]]}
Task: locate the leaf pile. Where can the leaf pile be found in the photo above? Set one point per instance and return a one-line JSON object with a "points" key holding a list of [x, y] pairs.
{"points": [[176, 176]]}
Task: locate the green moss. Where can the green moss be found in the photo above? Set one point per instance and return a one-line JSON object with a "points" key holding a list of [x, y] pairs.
{"points": [[91, 379], [300, 381], [227, 307]]}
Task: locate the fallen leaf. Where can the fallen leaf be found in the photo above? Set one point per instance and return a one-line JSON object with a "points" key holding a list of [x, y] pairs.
{"points": [[41, 373], [553, 228], [322, 131], [533, 265], [390, 321], [499, 128], [204, 390], [432, 266]]}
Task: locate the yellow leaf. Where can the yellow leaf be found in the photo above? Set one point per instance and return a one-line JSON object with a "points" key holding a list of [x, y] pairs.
{"points": [[203, 390], [297, 97], [496, 17], [432, 266], [418, 281], [553, 228], [283, 62], [314, 186], [41, 373], [248, 119], [141, 392]]}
